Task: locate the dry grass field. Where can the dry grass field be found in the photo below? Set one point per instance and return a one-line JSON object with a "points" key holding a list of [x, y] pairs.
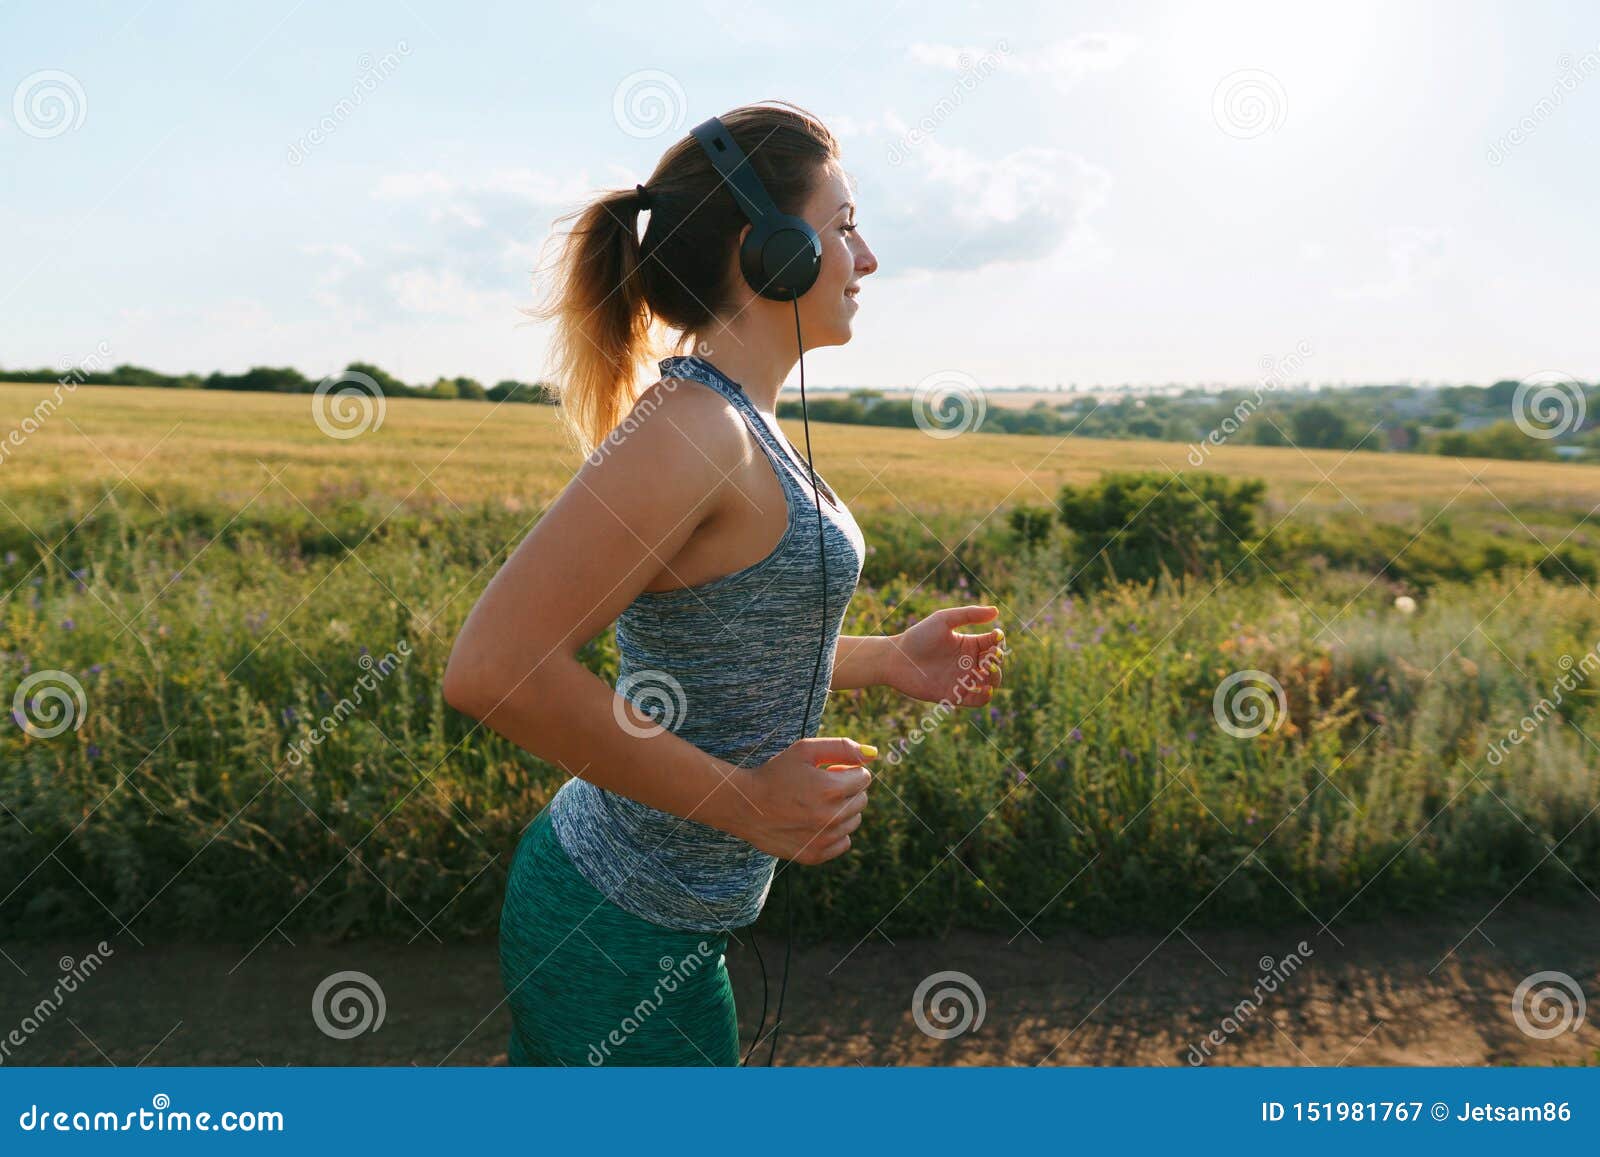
{"points": [[230, 444]]}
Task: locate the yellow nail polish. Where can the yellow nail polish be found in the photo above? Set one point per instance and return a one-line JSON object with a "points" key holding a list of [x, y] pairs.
{"points": [[1001, 632], [869, 751]]}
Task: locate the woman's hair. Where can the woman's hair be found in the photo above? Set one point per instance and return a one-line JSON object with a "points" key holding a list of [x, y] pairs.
{"points": [[611, 290]]}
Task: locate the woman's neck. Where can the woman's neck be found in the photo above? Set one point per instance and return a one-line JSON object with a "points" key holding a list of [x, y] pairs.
{"points": [[751, 355]]}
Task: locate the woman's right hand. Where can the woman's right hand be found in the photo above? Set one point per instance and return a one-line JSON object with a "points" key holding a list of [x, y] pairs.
{"points": [[797, 809]]}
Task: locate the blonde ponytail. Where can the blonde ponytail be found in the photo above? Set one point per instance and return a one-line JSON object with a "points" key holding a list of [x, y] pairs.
{"points": [[602, 322]]}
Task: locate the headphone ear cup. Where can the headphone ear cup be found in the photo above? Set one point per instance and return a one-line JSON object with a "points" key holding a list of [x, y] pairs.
{"points": [[781, 257]]}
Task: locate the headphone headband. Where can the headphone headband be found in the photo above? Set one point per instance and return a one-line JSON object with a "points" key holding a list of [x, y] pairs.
{"points": [[736, 169], [781, 255]]}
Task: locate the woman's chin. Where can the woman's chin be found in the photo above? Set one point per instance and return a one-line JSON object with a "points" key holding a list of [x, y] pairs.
{"points": [[820, 337]]}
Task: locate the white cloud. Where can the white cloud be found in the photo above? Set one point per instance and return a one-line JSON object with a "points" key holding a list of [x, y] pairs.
{"points": [[1064, 62], [1068, 61], [947, 208], [440, 293], [471, 243], [529, 185], [846, 125], [1416, 255], [343, 261], [345, 254], [410, 186], [237, 315], [943, 207]]}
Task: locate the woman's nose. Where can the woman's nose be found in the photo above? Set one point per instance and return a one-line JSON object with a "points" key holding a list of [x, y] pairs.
{"points": [[866, 261]]}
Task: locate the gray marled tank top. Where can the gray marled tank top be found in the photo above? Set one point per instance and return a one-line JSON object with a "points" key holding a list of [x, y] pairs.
{"points": [[726, 665]]}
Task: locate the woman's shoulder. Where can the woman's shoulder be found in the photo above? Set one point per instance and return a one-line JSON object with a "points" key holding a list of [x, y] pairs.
{"points": [[681, 419], [685, 398], [668, 461]]}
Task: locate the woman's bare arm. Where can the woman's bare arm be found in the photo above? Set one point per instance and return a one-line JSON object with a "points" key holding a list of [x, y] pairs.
{"points": [[624, 516], [932, 659], [863, 661]]}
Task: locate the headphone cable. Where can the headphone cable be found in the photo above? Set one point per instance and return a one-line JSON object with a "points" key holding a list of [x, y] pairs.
{"points": [[822, 642], [762, 1024]]}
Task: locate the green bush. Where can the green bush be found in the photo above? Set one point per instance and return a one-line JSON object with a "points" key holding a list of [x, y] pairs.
{"points": [[1031, 524], [1140, 525]]}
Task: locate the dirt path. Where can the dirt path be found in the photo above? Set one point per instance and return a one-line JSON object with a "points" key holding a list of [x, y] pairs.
{"points": [[1433, 992]]}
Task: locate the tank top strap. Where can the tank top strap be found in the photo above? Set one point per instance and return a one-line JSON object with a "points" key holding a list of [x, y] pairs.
{"points": [[790, 467]]}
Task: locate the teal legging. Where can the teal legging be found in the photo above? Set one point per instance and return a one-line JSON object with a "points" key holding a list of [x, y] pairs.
{"points": [[591, 984]]}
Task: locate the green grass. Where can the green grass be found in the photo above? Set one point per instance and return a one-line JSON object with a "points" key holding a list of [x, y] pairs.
{"points": [[225, 588]]}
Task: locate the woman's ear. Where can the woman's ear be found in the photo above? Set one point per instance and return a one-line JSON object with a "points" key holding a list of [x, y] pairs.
{"points": [[736, 273]]}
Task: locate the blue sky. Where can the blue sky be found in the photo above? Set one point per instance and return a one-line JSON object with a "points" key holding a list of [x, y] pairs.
{"points": [[1057, 193]]}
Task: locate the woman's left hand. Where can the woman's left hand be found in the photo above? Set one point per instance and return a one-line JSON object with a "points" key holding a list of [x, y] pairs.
{"points": [[936, 663]]}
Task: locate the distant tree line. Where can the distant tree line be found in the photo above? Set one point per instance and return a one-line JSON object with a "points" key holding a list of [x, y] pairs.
{"points": [[1459, 421], [287, 380]]}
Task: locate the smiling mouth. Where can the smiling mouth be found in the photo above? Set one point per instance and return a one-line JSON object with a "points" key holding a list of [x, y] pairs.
{"points": [[852, 292]]}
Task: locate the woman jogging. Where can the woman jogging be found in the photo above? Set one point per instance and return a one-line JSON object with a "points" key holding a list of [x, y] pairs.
{"points": [[693, 526]]}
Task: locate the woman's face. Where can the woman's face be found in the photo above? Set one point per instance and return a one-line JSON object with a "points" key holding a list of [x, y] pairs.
{"points": [[829, 306]]}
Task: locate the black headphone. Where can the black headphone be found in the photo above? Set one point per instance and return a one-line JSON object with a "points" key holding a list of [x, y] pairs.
{"points": [[781, 255], [780, 258]]}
